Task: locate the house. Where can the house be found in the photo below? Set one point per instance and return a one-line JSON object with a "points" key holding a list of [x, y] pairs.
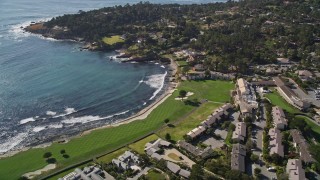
{"points": [[304, 75], [88, 173], [196, 132], [275, 143], [279, 118], [294, 170], [126, 161], [195, 75], [195, 151], [239, 134], [152, 148], [245, 97], [289, 95], [222, 76], [176, 169], [184, 173], [238, 156], [283, 61], [301, 144], [217, 115]]}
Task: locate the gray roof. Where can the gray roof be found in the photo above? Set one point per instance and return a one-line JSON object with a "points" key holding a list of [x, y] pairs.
{"points": [[276, 146], [184, 173], [302, 144], [295, 170], [173, 167], [238, 157], [196, 151]]}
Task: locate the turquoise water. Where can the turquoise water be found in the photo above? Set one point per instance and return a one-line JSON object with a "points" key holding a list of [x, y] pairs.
{"points": [[49, 88]]}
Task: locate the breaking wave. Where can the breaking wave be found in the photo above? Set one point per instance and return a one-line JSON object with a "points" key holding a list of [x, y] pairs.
{"points": [[12, 142], [156, 81]]}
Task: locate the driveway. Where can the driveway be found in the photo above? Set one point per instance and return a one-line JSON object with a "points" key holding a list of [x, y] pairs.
{"points": [[184, 159], [266, 175]]}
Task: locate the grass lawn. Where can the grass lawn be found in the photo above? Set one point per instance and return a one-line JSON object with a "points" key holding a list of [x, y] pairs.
{"points": [[103, 140], [277, 100], [314, 126], [174, 156], [112, 40], [139, 145], [228, 138], [192, 121], [154, 174], [108, 158], [182, 63]]}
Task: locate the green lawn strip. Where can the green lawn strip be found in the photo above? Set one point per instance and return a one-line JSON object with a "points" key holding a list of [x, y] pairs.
{"points": [[228, 138], [192, 121], [139, 145], [112, 40], [108, 158], [277, 100], [154, 174], [103, 140], [313, 125]]}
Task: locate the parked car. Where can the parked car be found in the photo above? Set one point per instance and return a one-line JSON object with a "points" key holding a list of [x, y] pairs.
{"points": [[271, 169]]}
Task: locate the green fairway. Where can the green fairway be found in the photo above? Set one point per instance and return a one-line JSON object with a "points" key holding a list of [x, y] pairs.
{"points": [[139, 145], [217, 91], [112, 40], [277, 100], [103, 140]]}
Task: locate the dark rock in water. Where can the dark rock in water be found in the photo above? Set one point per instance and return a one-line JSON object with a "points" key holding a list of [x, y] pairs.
{"points": [[124, 56]]}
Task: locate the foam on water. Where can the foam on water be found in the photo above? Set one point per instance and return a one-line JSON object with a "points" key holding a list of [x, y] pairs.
{"points": [[90, 118], [56, 126], [12, 142], [51, 113], [67, 111], [18, 32], [156, 81], [38, 128], [82, 119], [24, 121]]}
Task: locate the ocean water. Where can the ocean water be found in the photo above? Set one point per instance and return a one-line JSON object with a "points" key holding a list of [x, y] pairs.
{"points": [[49, 88]]}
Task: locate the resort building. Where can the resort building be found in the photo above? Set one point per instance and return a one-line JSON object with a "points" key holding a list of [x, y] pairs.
{"points": [[196, 75], [238, 156], [245, 97], [88, 173], [279, 118], [152, 148], [301, 145], [222, 76], [239, 134], [217, 115], [126, 161], [195, 151], [294, 170], [276, 146], [196, 132], [289, 95], [176, 169], [304, 75]]}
